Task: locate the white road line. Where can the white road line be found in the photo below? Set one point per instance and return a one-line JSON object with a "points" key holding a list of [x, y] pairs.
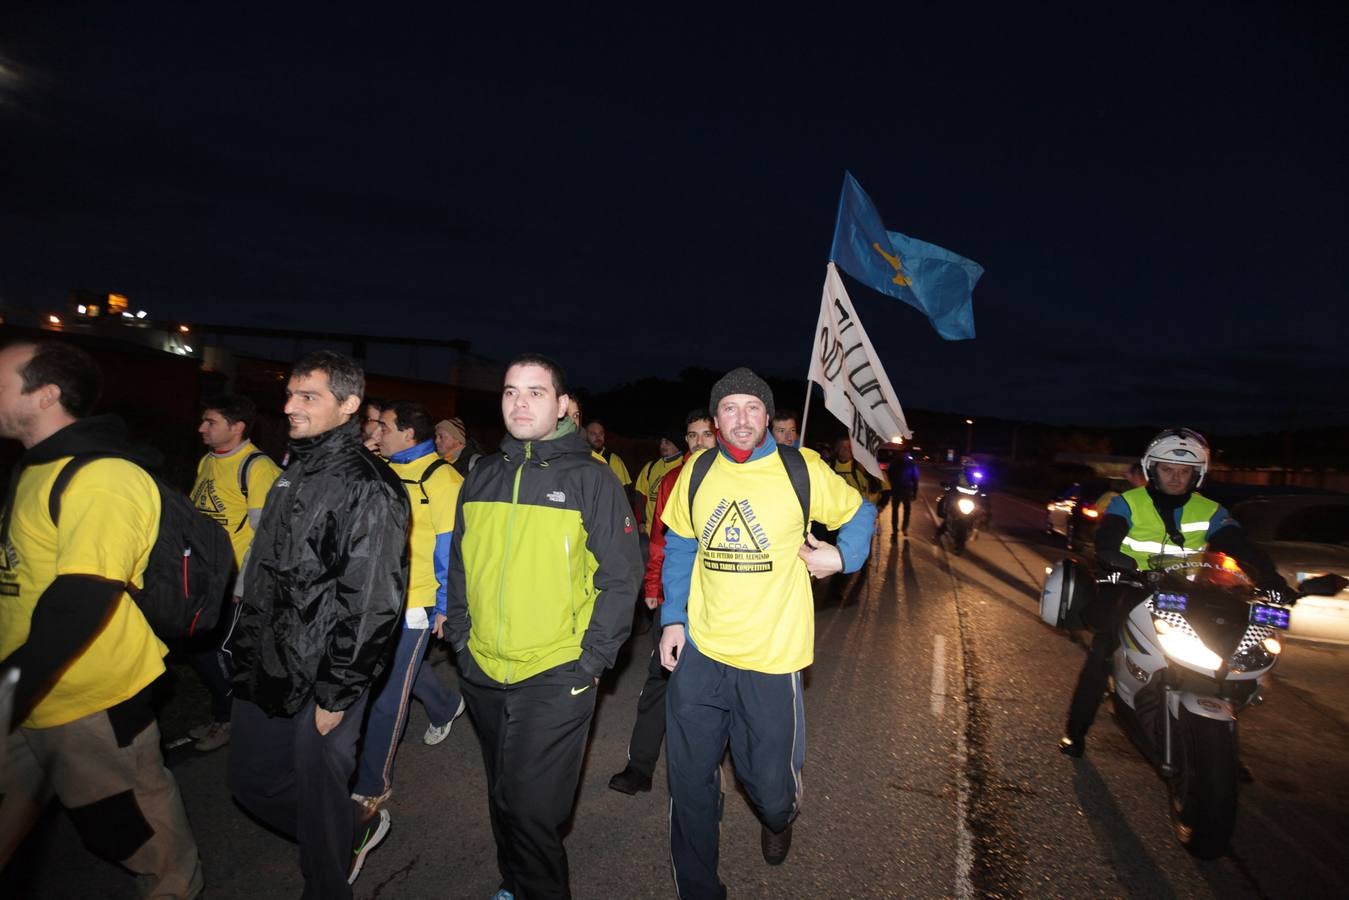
{"points": [[938, 675]]}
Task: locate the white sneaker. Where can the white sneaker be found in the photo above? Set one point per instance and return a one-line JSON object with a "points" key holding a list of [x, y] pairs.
{"points": [[437, 733], [369, 834]]}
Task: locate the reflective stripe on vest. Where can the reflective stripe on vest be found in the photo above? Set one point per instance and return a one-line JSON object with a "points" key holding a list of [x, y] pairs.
{"points": [[1147, 535]]}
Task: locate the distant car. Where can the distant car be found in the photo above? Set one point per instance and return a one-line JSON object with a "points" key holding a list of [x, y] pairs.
{"points": [[1305, 536], [1073, 514]]}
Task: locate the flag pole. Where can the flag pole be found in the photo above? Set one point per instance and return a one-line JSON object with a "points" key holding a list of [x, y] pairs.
{"points": [[805, 414]]}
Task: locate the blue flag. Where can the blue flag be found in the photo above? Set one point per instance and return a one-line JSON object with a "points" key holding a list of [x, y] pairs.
{"points": [[927, 277]]}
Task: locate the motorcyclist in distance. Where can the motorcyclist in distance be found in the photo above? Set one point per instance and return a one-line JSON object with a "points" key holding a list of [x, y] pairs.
{"points": [[970, 481], [1166, 517]]}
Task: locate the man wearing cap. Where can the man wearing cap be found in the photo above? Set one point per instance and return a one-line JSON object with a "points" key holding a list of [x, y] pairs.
{"points": [[453, 446], [738, 622]]}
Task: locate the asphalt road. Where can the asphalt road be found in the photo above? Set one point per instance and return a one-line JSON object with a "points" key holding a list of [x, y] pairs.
{"points": [[933, 710]]}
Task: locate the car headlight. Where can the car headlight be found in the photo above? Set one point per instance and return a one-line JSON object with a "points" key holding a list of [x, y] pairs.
{"points": [[965, 505], [1185, 646]]}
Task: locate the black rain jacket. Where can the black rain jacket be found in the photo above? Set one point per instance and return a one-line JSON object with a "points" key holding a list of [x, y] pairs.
{"points": [[325, 580]]}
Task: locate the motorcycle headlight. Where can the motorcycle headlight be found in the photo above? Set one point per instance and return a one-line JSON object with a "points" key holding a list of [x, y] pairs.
{"points": [[1185, 646], [965, 505]]}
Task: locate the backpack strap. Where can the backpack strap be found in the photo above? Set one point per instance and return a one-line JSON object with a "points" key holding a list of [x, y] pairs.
{"points": [[792, 461], [243, 472], [426, 474], [64, 476], [696, 476], [795, 464]]}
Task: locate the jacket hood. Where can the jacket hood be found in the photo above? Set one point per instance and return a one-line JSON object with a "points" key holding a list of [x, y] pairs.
{"points": [[93, 434], [547, 449]]}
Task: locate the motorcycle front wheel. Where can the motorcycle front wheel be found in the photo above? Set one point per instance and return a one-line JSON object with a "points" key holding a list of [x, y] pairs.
{"points": [[1204, 787], [959, 532]]}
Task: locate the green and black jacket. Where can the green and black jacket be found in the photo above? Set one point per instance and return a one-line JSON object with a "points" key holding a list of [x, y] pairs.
{"points": [[545, 564]]}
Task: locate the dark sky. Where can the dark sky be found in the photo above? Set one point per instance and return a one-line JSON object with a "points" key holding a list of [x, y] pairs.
{"points": [[1159, 200]]}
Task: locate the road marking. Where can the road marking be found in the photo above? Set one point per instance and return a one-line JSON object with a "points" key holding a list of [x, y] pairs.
{"points": [[938, 675]]}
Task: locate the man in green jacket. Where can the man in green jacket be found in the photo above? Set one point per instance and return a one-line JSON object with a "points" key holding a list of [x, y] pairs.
{"points": [[543, 571]]}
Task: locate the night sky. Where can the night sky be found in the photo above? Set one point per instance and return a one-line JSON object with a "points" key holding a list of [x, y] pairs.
{"points": [[1159, 198]]}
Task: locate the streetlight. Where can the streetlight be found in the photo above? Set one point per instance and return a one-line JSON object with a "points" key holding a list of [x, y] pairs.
{"points": [[969, 435]]}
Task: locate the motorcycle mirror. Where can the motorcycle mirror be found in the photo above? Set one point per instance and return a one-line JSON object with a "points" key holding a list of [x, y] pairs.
{"points": [[1323, 585]]}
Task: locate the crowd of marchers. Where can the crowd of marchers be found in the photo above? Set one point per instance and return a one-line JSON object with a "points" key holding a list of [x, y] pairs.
{"points": [[379, 532]]}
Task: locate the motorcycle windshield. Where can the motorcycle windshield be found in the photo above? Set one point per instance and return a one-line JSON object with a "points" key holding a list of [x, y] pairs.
{"points": [[1217, 598], [1202, 571]]}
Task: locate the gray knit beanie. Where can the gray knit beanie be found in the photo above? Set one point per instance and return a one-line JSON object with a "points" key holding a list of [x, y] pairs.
{"points": [[742, 381]]}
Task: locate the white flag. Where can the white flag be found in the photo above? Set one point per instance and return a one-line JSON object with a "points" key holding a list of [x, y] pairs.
{"points": [[856, 388]]}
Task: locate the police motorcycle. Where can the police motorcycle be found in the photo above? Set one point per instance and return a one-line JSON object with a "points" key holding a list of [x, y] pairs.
{"points": [[1190, 656], [963, 507]]}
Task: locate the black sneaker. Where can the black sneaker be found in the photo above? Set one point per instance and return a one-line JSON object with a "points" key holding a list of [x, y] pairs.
{"points": [[630, 781], [369, 833], [775, 846]]}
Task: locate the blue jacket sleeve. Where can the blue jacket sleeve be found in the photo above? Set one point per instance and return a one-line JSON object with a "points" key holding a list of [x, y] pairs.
{"points": [[442, 567], [1221, 519], [676, 576], [854, 537]]}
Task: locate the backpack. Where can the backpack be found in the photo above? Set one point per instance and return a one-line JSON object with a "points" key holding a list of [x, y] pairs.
{"points": [[191, 562], [426, 473], [792, 461], [243, 472]]}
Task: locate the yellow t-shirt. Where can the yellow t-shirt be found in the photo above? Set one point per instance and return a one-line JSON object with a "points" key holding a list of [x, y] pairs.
{"points": [[216, 492], [616, 464], [648, 483], [853, 473], [108, 523], [750, 603], [429, 519]]}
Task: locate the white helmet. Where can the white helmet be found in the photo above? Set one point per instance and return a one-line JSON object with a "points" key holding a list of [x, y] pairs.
{"points": [[1182, 446]]}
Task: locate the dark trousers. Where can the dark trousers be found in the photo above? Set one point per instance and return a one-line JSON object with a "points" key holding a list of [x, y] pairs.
{"points": [[206, 656], [648, 732], [533, 736], [298, 782], [896, 502], [763, 717], [1105, 614], [209, 664], [408, 676]]}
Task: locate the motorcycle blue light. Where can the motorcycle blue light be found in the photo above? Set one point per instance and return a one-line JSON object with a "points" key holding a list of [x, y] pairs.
{"points": [[1171, 602], [1271, 616], [978, 476]]}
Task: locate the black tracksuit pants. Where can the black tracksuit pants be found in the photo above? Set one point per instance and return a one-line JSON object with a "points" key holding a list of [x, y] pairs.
{"points": [[648, 732], [533, 736]]}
